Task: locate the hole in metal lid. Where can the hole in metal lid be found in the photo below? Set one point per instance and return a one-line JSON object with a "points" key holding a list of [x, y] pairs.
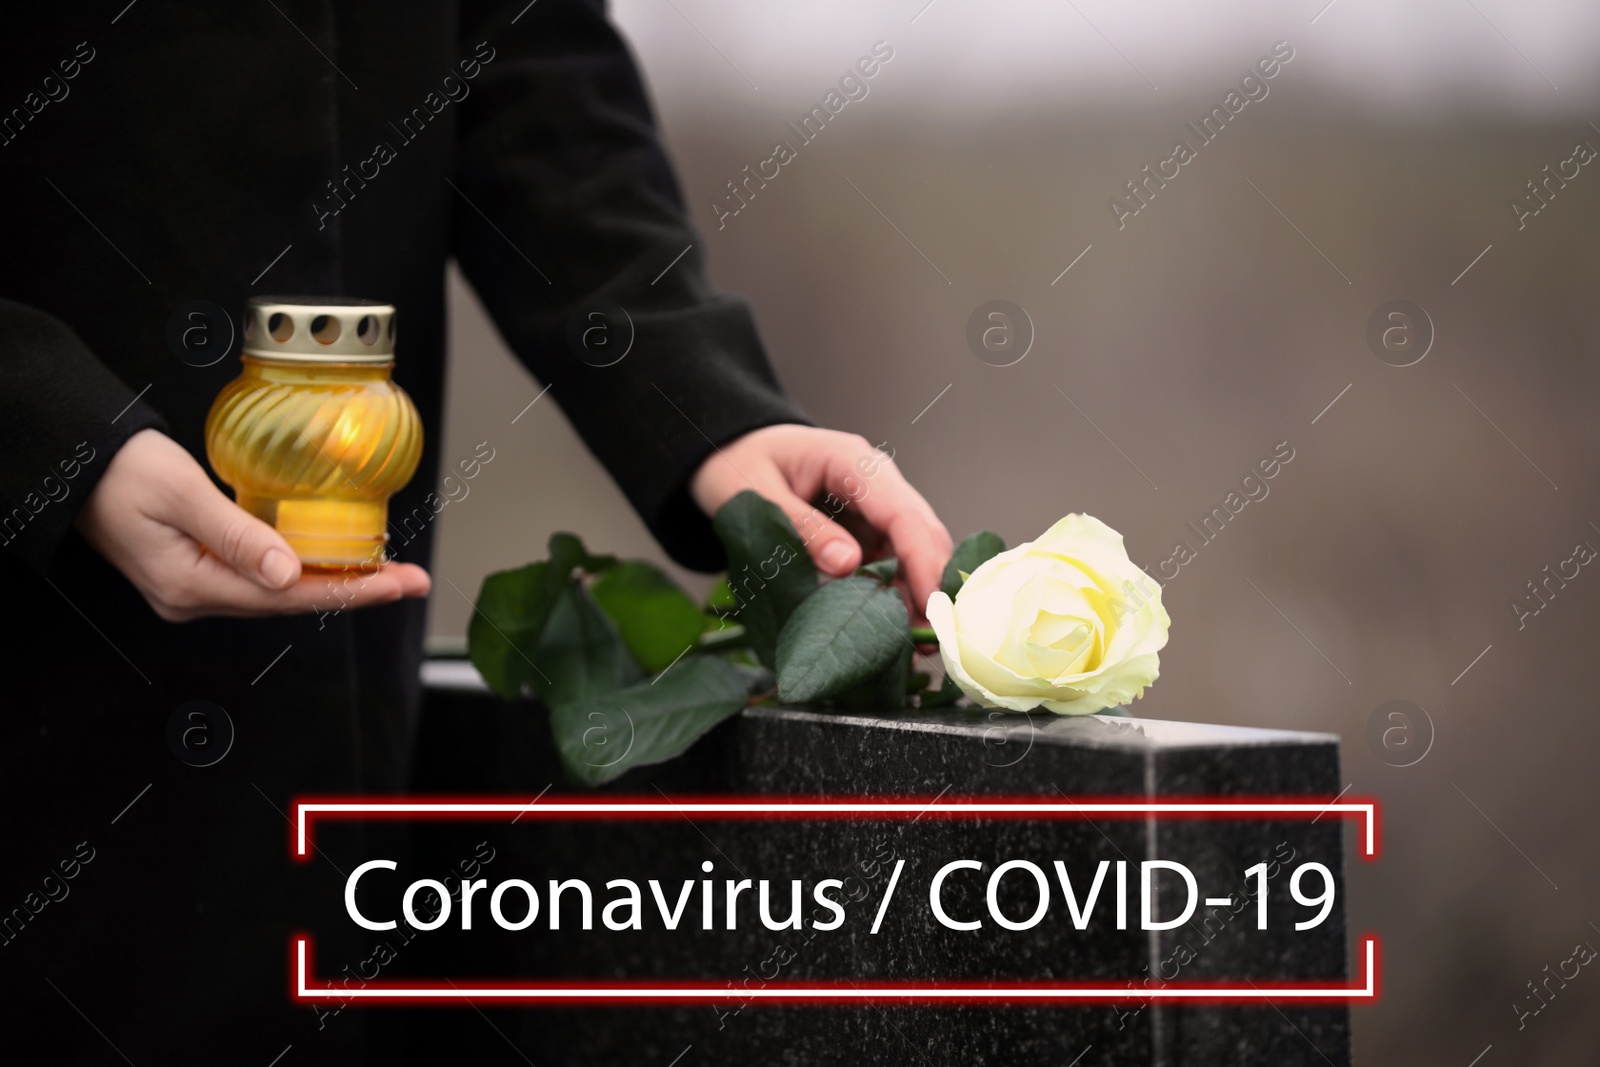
{"points": [[325, 328], [280, 326], [367, 329]]}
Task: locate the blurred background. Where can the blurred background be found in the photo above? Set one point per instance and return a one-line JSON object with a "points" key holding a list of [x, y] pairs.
{"points": [[1229, 315]]}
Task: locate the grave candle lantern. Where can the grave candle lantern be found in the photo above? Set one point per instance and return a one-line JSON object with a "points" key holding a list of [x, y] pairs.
{"points": [[314, 436]]}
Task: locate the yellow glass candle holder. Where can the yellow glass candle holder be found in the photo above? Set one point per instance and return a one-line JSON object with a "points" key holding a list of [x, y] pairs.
{"points": [[313, 436]]}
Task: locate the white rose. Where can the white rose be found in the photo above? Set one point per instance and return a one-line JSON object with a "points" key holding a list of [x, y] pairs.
{"points": [[1067, 622]]}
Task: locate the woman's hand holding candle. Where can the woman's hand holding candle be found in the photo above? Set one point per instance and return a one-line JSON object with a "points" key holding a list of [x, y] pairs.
{"points": [[192, 552]]}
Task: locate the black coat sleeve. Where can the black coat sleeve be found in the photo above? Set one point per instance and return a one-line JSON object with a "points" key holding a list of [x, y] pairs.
{"points": [[567, 210], [63, 415]]}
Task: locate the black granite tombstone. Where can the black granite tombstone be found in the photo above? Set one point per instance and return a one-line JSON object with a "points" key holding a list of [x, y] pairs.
{"points": [[472, 743]]}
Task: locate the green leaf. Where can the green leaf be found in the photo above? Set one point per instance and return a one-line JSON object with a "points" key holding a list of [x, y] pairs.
{"points": [[580, 655], [769, 571], [566, 549], [757, 679], [882, 569], [599, 739], [887, 691], [507, 623], [843, 635], [943, 697], [657, 620], [721, 614], [720, 598], [512, 612], [974, 550]]}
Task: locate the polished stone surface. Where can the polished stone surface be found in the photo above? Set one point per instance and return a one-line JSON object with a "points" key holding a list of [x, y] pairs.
{"points": [[473, 743]]}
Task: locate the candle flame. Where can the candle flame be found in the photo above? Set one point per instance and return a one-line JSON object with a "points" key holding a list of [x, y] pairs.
{"points": [[346, 429]]}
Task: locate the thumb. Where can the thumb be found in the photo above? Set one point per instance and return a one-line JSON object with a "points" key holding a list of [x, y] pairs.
{"points": [[830, 545], [253, 549]]}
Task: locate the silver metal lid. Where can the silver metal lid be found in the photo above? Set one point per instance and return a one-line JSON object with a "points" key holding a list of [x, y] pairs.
{"points": [[319, 329]]}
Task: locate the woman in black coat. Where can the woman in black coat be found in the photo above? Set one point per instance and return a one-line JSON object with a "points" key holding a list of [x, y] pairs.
{"points": [[162, 157]]}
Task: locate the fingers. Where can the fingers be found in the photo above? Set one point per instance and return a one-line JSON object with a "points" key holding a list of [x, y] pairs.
{"points": [[252, 548], [782, 464], [211, 587], [188, 502], [876, 488], [412, 579], [323, 591], [792, 465], [923, 547], [830, 546]]}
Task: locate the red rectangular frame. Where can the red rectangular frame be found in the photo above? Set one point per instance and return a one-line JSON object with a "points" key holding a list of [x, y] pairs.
{"points": [[825, 991]]}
